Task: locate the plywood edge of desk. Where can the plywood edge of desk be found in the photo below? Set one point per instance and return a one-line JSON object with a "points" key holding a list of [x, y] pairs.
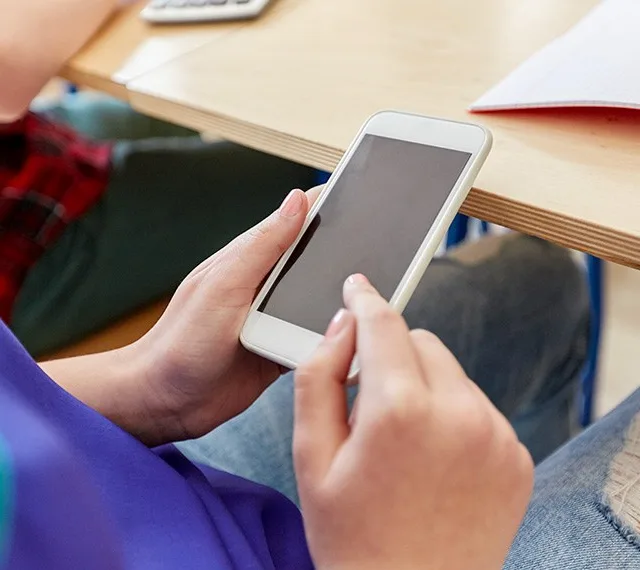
{"points": [[604, 242], [241, 132], [580, 235]]}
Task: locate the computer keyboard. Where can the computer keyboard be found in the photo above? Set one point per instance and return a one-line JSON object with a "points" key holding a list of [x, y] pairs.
{"points": [[179, 11]]}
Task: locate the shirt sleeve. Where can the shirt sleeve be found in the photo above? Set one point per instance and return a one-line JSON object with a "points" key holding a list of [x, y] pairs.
{"points": [[51, 515]]}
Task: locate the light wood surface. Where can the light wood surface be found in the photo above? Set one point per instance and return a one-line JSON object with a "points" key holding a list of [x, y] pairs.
{"points": [[127, 47], [299, 83]]}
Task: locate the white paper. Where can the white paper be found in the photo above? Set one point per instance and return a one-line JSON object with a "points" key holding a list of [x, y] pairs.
{"points": [[595, 64]]}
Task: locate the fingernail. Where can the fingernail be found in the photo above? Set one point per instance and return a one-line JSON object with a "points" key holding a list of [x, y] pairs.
{"points": [[337, 324], [357, 279], [292, 204]]}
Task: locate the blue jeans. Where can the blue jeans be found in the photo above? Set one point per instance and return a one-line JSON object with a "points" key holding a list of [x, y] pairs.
{"points": [[514, 311], [585, 507]]}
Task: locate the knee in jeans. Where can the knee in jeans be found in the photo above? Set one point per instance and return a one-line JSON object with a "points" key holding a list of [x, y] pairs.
{"points": [[560, 281], [621, 503]]}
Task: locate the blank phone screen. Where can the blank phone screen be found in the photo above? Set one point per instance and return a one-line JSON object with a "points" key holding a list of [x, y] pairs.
{"points": [[372, 222]]}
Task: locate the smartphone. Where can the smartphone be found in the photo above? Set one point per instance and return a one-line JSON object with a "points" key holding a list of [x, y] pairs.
{"points": [[383, 213]]}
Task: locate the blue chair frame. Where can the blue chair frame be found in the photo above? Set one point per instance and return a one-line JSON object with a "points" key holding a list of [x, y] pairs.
{"points": [[595, 274]]}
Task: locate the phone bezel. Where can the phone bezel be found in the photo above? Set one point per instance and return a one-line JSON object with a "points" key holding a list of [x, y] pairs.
{"points": [[289, 344]]}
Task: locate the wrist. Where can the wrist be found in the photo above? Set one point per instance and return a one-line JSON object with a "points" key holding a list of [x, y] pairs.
{"points": [[117, 385], [139, 405]]}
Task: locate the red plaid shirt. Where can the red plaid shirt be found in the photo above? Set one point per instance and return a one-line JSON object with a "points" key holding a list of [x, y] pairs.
{"points": [[49, 176]]}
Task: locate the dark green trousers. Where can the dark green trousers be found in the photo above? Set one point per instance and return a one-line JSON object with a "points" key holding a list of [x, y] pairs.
{"points": [[172, 201]]}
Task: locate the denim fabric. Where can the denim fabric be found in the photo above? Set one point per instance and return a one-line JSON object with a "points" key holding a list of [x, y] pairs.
{"points": [[571, 524], [517, 319]]}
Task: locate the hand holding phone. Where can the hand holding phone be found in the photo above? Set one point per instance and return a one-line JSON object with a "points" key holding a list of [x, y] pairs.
{"points": [[383, 213], [426, 455], [191, 372]]}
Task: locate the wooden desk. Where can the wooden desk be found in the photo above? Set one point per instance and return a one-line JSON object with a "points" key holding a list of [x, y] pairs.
{"points": [[300, 84], [127, 47]]}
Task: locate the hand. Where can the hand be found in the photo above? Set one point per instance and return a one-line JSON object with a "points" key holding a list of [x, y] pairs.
{"points": [[427, 474], [197, 373]]}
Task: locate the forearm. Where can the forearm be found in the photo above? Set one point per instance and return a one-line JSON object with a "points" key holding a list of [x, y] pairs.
{"points": [[116, 385], [36, 38]]}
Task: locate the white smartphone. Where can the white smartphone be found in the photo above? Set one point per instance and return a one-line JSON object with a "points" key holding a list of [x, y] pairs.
{"points": [[383, 213]]}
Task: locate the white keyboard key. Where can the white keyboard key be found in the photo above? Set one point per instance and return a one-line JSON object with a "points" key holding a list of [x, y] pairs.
{"points": [[179, 11]]}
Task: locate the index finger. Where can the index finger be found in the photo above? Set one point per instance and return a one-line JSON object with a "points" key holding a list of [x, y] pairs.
{"points": [[384, 346]]}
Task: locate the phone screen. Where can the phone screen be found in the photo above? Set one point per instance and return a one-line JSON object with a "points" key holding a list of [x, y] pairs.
{"points": [[372, 222]]}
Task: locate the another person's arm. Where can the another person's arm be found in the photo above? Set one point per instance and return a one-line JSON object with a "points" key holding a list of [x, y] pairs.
{"points": [[36, 38]]}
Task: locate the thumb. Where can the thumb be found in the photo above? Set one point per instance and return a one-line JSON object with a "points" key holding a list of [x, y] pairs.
{"points": [[247, 260], [254, 253], [321, 415]]}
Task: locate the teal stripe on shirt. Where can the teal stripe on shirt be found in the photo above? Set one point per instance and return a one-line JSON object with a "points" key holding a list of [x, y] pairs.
{"points": [[6, 500]]}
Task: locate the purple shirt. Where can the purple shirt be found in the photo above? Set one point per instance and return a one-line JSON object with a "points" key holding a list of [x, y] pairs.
{"points": [[77, 492]]}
